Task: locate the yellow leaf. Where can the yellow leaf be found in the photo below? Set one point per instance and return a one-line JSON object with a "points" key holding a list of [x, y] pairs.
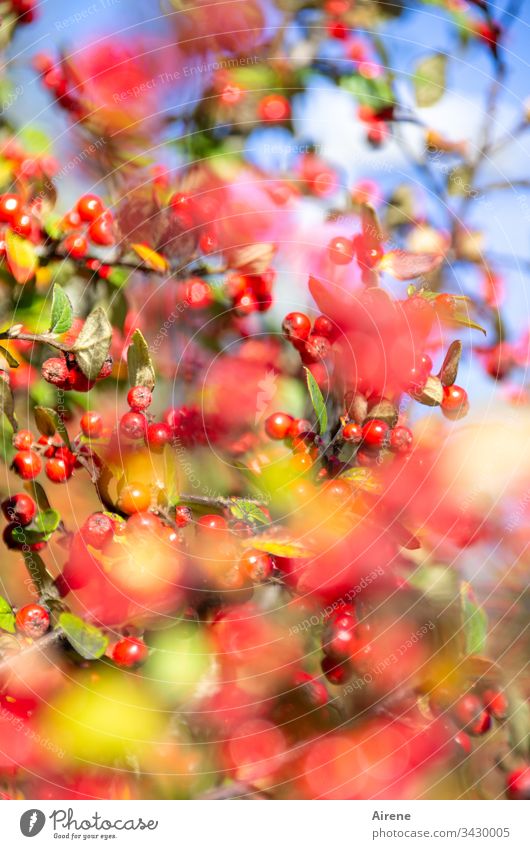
{"points": [[151, 258], [21, 257]]}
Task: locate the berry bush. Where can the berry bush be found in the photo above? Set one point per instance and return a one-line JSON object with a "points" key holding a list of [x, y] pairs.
{"points": [[264, 413]]}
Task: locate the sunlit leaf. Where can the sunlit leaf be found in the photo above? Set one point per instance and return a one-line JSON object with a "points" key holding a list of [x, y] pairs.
{"points": [[7, 403], [430, 79], [62, 312], [475, 621], [362, 478], [86, 639], [139, 364], [47, 521], [404, 265], [21, 257], [7, 617], [150, 257], [8, 356], [317, 399], [279, 547], [92, 346], [248, 511]]}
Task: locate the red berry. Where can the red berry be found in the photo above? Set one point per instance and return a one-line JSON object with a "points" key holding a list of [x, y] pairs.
{"points": [[198, 293], [323, 326], [10, 205], [183, 208], [336, 673], [134, 498], [277, 426], [446, 304], [89, 207], [50, 443], [352, 432], [375, 433], [296, 326], [106, 368], [338, 30], [313, 689], [98, 530], [183, 515], [27, 464], [400, 439], [23, 440], [339, 638], [133, 425], [20, 508], [471, 714], [518, 784], [495, 703], [144, 521], [58, 470], [33, 620], [212, 522], [76, 245], [340, 251], [139, 398], [258, 565], [463, 742], [274, 107], [101, 231], [158, 434], [316, 348], [55, 370], [91, 424], [78, 381], [299, 427], [21, 223], [130, 651], [455, 402]]}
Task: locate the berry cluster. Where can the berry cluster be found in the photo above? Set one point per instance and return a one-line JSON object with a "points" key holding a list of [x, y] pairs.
{"points": [[64, 373], [90, 220], [346, 645], [17, 217], [250, 293], [312, 341]]}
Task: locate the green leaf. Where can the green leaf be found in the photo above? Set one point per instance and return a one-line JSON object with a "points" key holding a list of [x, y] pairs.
{"points": [[28, 536], [62, 311], [87, 640], [47, 521], [475, 621], [518, 723], [317, 399], [21, 257], [45, 420], [248, 511], [92, 346], [8, 356], [7, 403], [7, 617], [36, 490], [463, 320], [48, 422], [141, 371], [280, 547], [430, 79], [40, 576]]}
